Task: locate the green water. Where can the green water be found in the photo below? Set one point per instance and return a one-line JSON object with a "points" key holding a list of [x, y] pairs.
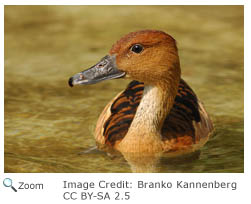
{"points": [[47, 123]]}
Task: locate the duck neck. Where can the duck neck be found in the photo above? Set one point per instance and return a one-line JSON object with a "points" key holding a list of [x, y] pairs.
{"points": [[155, 104]]}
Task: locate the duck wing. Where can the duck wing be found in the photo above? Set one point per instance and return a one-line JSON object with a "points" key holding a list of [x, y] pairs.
{"points": [[118, 115], [187, 124]]}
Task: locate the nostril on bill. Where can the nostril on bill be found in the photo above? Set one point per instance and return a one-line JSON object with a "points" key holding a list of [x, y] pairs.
{"points": [[81, 77]]}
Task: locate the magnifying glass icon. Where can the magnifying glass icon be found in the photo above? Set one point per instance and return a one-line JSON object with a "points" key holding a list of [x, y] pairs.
{"points": [[7, 182]]}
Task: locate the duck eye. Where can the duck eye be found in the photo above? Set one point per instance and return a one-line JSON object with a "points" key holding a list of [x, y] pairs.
{"points": [[137, 48]]}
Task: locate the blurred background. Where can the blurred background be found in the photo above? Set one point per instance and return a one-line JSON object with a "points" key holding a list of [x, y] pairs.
{"points": [[47, 123]]}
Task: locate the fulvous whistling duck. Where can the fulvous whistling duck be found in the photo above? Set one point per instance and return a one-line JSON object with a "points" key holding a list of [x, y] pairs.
{"points": [[158, 111]]}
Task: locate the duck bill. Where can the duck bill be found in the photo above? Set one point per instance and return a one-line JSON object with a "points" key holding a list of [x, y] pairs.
{"points": [[105, 69]]}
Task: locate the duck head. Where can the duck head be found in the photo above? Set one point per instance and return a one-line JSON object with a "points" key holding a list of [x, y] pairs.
{"points": [[148, 56]]}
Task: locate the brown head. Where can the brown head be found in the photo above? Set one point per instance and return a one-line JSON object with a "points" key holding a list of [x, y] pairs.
{"points": [[148, 56]]}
